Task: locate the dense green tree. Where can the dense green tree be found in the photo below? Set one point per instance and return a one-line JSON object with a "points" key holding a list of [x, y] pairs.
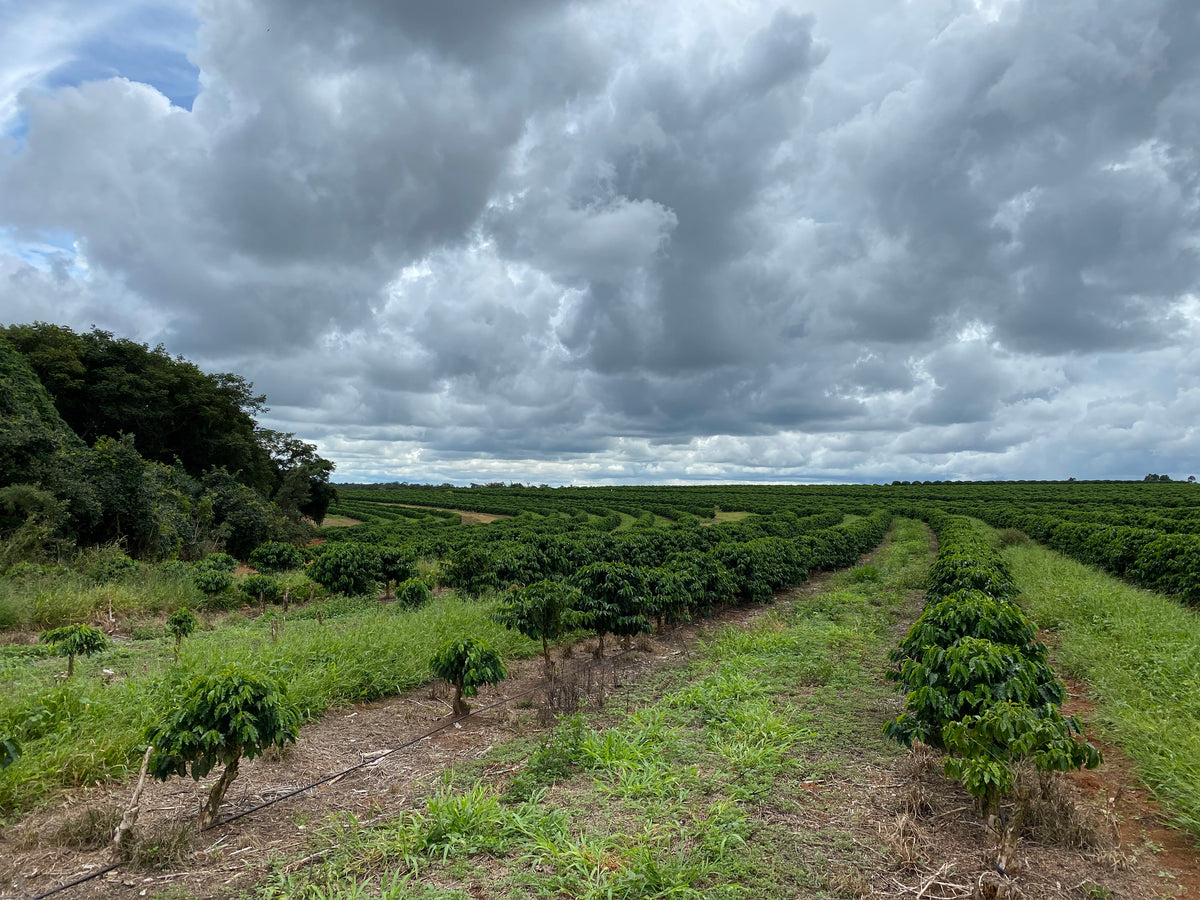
{"points": [[103, 386], [543, 611], [106, 386], [262, 588], [301, 477], [243, 518], [276, 556], [347, 567], [30, 519], [612, 600]]}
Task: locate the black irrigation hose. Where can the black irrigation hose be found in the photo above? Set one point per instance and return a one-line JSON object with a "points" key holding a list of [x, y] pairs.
{"points": [[540, 686], [442, 727], [70, 884]]}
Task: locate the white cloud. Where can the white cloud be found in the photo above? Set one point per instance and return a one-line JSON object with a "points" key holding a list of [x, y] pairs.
{"points": [[586, 241]]}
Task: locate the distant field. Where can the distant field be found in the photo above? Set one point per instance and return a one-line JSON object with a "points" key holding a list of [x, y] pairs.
{"points": [[340, 522], [468, 517]]}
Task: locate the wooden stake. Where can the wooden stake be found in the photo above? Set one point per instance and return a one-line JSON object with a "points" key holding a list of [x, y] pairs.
{"points": [[129, 819]]}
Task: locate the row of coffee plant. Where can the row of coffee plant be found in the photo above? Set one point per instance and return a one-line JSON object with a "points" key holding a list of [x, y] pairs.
{"points": [[759, 556], [979, 686], [1153, 557]]}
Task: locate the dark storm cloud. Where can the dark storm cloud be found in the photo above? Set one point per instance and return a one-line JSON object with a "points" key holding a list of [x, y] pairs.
{"points": [[598, 240]]}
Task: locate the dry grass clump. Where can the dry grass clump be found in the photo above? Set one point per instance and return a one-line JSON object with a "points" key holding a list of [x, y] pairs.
{"points": [[91, 829], [850, 883], [903, 841], [163, 847], [1054, 818]]}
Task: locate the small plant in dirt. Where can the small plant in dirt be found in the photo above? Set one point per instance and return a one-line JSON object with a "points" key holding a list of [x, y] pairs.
{"points": [[180, 624], [544, 611], [276, 556], [220, 718], [262, 588], [467, 664], [75, 640], [986, 753], [412, 593], [347, 568]]}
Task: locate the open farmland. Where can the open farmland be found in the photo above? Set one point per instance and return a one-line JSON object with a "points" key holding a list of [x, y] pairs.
{"points": [[719, 747]]}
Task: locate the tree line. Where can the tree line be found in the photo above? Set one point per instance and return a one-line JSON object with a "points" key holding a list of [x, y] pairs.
{"points": [[103, 439]]}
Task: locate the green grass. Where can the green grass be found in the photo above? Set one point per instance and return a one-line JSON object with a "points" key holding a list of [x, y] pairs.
{"points": [[679, 795], [1139, 653], [86, 729], [39, 602]]}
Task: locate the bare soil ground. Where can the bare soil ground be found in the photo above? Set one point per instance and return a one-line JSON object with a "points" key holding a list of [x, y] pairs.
{"points": [[919, 831], [339, 522]]}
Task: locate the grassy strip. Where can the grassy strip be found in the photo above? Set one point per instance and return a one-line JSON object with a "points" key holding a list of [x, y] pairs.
{"points": [[1140, 654], [681, 797], [86, 729]]}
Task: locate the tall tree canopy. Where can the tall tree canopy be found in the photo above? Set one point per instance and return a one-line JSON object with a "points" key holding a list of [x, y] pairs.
{"points": [[105, 439], [176, 413]]}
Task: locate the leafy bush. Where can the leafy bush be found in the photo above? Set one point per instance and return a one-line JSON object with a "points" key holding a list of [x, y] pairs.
{"points": [[979, 685], [412, 593], [220, 718], [965, 614], [23, 570], [220, 561], [180, 624], [276, 556], [212, 581], [667, 595], [542, 611], [612, 600], [396, 564], [348, 568], [175, 569], [947, 684], [262, 588], [469, 569], [986, 748], [113, 568], [467, 664]]}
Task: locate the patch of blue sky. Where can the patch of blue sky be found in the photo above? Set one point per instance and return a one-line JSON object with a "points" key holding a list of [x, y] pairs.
{"points": [[45, 249], [16, 128], [149, 44]]}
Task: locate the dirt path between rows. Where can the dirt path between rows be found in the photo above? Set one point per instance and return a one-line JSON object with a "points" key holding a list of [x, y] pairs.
{"points": [[235, 856], [919, 828]]}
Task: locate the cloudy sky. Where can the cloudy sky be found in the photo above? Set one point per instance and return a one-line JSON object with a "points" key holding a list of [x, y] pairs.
{"points": [[633, 240]]}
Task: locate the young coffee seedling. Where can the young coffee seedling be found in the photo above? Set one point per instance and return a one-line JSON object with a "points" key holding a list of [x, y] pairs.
{"points": [[181, 623], [220, 718], [467, 664], [75, 640]]}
